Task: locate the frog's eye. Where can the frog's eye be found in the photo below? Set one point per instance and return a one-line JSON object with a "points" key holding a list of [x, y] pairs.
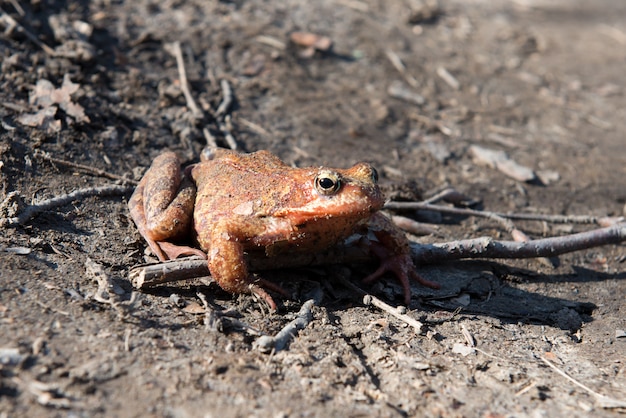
{"points": [[327, 182], [374, 175]]}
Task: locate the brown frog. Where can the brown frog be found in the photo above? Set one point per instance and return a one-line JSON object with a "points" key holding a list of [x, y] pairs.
{"points": [[232, 203]]}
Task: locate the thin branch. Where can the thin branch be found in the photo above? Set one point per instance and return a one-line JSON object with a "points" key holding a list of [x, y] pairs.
{"points": [[12, 23], [227, 98], [603, 220], [255, 127], [486, 247], [55, 202], [86, 168], [227, 132], [397, 63], [268, 344], [604, 401], [146, 276], [182, 75], [398, 312]]}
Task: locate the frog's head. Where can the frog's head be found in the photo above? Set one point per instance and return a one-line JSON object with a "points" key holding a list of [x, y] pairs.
{"points": [[327, 193]]}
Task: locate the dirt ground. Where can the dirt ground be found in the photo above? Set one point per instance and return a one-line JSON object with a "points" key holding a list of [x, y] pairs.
{"points": [[542, 80]]}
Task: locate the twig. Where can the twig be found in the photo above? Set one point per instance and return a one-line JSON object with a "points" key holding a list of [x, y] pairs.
{"points": [[450, 195], [36, 209], [577, 219], [227, 98], [12, 23], [149, 275], [486, 247], [373, 300], [396, 61], [17, 7], [210, 139], [87, 168], [146, 276], [184, 85], [14, 106], [127, 335], [604, 401], [255, 127], [226, 131], [450, 80], [267, 344], [270, 41]]}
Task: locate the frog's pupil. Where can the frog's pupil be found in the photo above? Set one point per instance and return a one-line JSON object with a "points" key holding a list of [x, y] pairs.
{"points": [[326, 183]]}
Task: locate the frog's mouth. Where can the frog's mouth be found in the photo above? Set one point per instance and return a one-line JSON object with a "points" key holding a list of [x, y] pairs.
{"points": [[352, 201]]}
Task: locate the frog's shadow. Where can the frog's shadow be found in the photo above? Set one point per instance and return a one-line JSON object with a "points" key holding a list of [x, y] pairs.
{"points": [[473, 286], [484, 288]]}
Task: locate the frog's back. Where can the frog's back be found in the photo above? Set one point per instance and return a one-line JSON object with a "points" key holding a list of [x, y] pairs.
{"points": [[230, 181]]}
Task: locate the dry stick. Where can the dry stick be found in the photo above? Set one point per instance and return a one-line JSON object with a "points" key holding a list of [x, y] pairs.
{"points": [[227, 99], [17, 7], [210, 139], [267, 344], [506, 223], [373, 300], [223, 120], [89, 169], [226, 131], [447, 194], [582, 219], [605, 401], [255, 127], [143, 277], [487, 247], [36, 209], [146, 276], [191, 103], [396, 61], [12, 22], [184, 85]]}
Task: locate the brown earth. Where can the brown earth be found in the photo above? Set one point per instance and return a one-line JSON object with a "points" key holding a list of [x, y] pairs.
{"points": [[542, 80]]}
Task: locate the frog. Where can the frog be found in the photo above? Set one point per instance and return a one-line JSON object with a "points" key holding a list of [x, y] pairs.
{"points": [[233, 205]]}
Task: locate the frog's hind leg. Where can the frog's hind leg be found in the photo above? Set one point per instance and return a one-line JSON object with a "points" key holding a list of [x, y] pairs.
{"points": [[162, 207]]}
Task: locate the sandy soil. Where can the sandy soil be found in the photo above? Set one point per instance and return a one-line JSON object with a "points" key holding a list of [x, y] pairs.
{"points": [[541, 80]]}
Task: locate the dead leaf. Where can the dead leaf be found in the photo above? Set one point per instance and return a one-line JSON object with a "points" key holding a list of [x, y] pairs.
{"points": [[47, 97], [502, 162], [43, 119], [194, 308]]}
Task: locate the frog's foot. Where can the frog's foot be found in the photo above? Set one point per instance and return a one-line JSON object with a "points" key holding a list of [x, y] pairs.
{"points": [[402, 267], [259, 288], [172, 251]]}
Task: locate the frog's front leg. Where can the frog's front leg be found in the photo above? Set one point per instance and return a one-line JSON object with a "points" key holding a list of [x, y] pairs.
{"points": [[394, 252], [162, 207], [227, 262]]}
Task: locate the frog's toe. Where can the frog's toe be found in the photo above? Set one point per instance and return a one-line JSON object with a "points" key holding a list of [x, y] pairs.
{"points": [[262, 293], [403, 269], [424, 282], [260, 288], [173, 251]]}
